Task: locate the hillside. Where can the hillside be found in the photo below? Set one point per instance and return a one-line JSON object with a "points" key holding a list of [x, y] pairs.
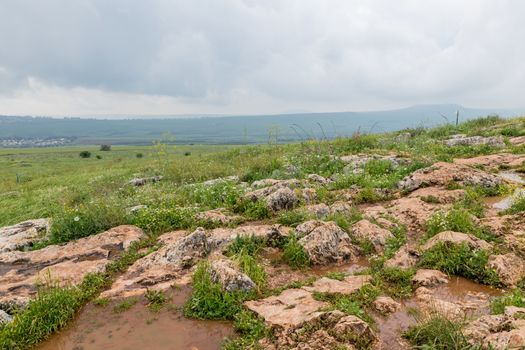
{"points": [[228, 130], [399, 240]]}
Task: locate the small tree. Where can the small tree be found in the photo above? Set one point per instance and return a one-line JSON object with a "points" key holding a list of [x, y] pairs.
{"points": [[105, 147], [85, 154]]}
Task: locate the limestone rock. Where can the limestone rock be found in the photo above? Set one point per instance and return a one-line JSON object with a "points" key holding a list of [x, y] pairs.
{"points": [[462, 140], [281, 199], [5, 318], [290, 309], [406, 257], [451, 237], [221, 237], [217, 216], [327, 243], [318, 210], [23, 234], [349, 285], [352, 327], [386, 305], [144, 180], [429, 278], [61, 264], [318, 179], [225, 273], [494, 161], [441, 174], [365, 230], [438, 195], [509, 267]]}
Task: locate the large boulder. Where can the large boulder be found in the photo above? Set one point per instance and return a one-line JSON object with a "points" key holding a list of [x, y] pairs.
{"points": [[281, 199], [23, 235], [354, 329], [367, 231], [325, 242], [60, 264], [441, 174]]}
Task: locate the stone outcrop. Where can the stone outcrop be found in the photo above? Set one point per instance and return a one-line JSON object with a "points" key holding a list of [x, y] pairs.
{"points": [[281, 199], [217, 216], [60, 264], [349, 285], [227, 274], [141, 181], [277, 194], [462, 140], [493, 161], [290, 309], [406, 257], [456, 238], [386, 305], [498, 332], [429, 278], [325, 242], [367, 231], [438, 195], [441, 174], [509, 268], [23, 235]]}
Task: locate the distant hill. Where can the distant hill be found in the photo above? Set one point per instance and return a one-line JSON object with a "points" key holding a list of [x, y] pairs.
{"points": [[235, 129]]}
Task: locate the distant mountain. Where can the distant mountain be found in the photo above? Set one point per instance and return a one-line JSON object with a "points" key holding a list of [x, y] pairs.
{"points": [[236, 129]]}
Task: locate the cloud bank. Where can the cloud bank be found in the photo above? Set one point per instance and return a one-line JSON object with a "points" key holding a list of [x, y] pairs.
{"points": [[234, 56]]}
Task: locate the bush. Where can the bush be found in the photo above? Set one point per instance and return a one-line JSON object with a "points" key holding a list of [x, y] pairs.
{"points": [[85, 154], [139, 155], [105, 148], [98, 156], [187, 153]]}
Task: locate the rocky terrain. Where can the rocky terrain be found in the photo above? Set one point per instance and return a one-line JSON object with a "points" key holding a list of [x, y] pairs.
{"points": [[434, 260]]}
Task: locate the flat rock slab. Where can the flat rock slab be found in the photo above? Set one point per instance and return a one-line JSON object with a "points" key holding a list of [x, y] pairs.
{"points": [[451, 237], [349, 285], [290, 309], [23, 234], [63, 264]]}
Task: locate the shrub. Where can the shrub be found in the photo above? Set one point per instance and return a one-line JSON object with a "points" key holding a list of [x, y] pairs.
{"points": [[105, 148], [187, 153], [139, 155], [294, 254], [459, 259], [85, 154]]}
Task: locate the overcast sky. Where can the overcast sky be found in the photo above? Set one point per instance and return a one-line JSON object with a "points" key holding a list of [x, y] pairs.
{"points": [[62, 57]]}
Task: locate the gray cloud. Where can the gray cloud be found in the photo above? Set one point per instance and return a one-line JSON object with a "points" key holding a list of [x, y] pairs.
{"points": [[259, 56]]}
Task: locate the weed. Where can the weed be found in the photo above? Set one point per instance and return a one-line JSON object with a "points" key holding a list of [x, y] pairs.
{"points": [[250, 330], [251, 268], [208, 300], [458, 220], [461, 260], [292, 217], [250, 245], [514, 298], [294, 254], [336, 275], [438, 332], [125, 305], [156, 299]]}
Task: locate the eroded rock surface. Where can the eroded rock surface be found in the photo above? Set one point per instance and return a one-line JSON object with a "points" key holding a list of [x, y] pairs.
{"points": [[218, 217], [325, 242], [23, 235], [509, 267], [441, 174], [60, 264], [377, 236], [451, 237], [349, 285], [386, 305], [429, 278], [462, 140], [226, 273]]}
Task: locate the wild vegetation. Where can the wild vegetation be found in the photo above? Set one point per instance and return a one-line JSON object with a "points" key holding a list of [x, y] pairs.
{"points": [[84, 196]]}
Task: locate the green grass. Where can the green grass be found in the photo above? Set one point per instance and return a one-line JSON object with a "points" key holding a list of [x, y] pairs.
{"points": [[125, 304], [156, 299], [458, 220], [250, 245], [515, 298], [438, 332], [52, 309], [248, 265], [208, 300], [249, 329], [460, 260], [294, 254], [393, 281]]}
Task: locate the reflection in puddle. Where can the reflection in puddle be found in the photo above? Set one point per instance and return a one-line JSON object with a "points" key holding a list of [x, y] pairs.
{"points": [[99, 327]]}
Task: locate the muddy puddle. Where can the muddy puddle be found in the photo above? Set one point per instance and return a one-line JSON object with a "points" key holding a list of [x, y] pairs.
{"points": [[100, 327], [458, 290]]}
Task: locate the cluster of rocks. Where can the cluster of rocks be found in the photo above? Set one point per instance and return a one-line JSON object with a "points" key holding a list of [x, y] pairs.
{"points": [[23, 235], [357, 162]]}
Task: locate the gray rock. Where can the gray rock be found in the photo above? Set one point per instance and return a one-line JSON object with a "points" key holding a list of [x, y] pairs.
{"points": [[5, 318], [225, 273]]}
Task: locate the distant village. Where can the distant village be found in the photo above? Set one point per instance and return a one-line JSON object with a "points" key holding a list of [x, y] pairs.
{"points": [[35, 142]]}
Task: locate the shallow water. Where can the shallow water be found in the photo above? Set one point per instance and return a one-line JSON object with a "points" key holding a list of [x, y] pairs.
{"points": [[99, 327], [458, 289]]}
